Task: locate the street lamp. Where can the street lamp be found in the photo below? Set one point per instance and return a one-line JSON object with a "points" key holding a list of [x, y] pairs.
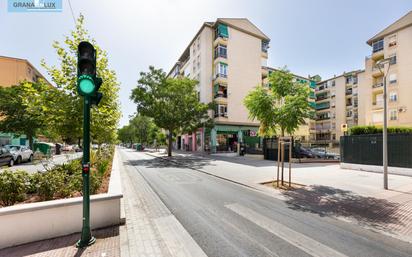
{"points": [[381, 65]]}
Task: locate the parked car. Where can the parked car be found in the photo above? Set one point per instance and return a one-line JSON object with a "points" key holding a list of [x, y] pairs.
{"points": [[322, 153], [20, 153], [305, 153], [6, 158], [67, 148]]}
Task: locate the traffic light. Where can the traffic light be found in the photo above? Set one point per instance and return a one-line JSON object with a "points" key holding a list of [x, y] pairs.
{"points": [[88, 83], [97, 96]]}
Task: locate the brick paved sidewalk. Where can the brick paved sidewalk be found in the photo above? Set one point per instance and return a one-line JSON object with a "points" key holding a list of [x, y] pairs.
{"points": [[107, 245]]}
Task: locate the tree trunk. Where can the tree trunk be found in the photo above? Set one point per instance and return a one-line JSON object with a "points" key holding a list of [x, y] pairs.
{"points": [[79, 143], [30, 136], [169, 144]]}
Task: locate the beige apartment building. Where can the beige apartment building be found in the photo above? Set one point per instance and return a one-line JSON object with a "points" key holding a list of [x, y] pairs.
{"points": [[12, 71], [337, 104], [226, 57], [356, 98], [394, 42]]}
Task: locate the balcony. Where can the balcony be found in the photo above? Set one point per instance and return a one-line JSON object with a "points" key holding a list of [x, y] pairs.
{"points": [[377, 50], [377, 105], [220, 78], [377, 85], [376, 72], [322, 106], [348, 92], [265, 72], [321, 97]]}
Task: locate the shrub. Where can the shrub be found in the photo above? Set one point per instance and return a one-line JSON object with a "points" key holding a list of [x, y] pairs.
{"points": [[51, 183], [12, 186], [362, 130]]}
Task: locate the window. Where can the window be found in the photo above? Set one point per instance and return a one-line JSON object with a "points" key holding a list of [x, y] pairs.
{"points": [[221, 51], [392, 59], [392, 41], [222, 31], [194, 66], [265, 46], [377, 46], [393, 96], [392, 78], [393, 114], [221, 70], [221, 110]]}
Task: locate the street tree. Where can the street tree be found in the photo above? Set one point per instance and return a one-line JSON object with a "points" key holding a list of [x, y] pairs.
{"points": [[105, 117], [27, 109], [283, 105], [172, 103]]}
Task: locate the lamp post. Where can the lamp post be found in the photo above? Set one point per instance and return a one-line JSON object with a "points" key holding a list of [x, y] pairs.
{"points": [[381, 65]]}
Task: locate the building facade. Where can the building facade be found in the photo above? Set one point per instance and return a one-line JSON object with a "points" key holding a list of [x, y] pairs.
{"points": [[226, 57], [12, 72], [337, 105], [394, 42]]}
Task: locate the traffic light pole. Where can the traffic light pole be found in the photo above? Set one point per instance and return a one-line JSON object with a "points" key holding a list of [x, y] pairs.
{"points": [[86, 236]]}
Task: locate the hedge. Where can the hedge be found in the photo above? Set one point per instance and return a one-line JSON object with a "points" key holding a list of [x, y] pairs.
{"points": [[365, 130]]}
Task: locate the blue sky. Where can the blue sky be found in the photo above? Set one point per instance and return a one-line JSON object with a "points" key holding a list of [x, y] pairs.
{"points": [[322, 37]]}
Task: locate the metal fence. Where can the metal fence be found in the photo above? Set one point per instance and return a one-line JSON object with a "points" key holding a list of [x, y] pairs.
{"points": [[270, 149], [367, 149]]}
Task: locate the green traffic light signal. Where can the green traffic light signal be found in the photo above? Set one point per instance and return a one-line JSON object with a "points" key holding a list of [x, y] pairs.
{"points": [[86, 85]]}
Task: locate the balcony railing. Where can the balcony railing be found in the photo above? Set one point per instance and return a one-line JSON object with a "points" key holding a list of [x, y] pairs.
{"points": [[220, 94], [377, 85], [348, 92], [321, 97], [322, 106]]}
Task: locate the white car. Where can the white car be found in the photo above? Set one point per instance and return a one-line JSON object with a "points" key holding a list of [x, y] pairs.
{"points": [[20, 153]]}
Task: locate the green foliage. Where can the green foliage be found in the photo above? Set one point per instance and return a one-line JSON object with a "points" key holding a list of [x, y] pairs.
{"points": [[364, 130], [12, 186], [141, 129], [27, 109], [69, 110], [283, 105], [173, 104], [50, 183], [59, 182]]}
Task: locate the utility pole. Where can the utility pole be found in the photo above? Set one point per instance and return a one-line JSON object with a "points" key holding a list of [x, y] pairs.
{"points": [[88, 85], [381, 64]]}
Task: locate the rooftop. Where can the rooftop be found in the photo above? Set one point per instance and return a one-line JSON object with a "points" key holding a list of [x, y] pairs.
{"points": [[402, 23]]}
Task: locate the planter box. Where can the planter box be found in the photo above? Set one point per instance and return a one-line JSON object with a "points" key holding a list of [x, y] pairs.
{"points": [[24, 223]]}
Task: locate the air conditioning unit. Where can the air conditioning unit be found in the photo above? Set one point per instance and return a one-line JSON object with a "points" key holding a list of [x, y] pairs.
{"points": [[402, 109]]}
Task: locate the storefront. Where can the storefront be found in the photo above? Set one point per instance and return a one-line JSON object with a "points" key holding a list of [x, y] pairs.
{"points": [[225, 138]]}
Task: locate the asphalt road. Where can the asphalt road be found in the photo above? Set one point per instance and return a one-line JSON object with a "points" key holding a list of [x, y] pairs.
{"points": [[227, 219], [42, 165]]}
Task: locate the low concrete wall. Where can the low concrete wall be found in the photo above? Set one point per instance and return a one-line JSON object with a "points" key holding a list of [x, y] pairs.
{"points": [[376, 169], [25, 223]]}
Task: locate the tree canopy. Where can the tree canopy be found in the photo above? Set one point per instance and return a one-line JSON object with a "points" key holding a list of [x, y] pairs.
{"points": [[283, 105], [105, 117], [27, 109], [172, 103]]}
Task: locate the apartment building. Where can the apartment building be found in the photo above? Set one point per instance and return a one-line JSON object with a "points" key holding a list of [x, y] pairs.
{"points": [[12, 71], [226, 57], [393, 42], [337, 104]]}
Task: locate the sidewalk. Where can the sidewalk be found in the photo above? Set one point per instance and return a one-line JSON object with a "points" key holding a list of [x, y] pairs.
{"points": [[107, 244], [350, 195], [150, 229]]}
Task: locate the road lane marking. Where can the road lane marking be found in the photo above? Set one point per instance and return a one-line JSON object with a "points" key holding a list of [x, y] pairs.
{"points": [[297, 239]]}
